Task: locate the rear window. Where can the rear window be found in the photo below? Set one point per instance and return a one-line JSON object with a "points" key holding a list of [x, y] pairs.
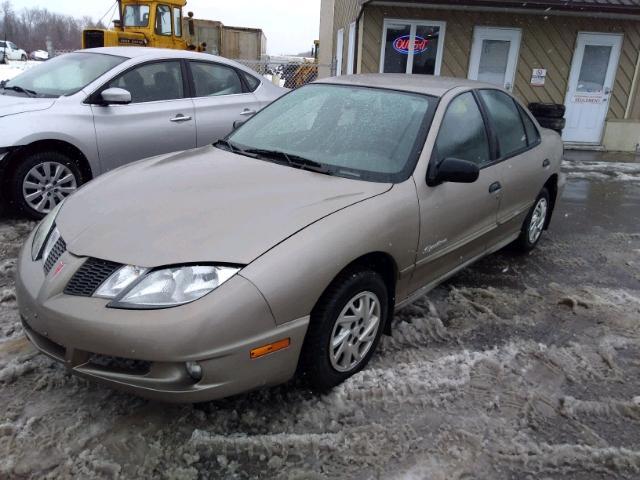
{"points": [[251, 81]]}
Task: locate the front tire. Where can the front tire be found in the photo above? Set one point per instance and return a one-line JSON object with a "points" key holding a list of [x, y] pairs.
{"points": [[535, 223], [345, 329], [23, 58], [41, 181]]}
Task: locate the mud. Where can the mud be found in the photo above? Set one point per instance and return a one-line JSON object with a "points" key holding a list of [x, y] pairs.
{"points": [[520, 367]]}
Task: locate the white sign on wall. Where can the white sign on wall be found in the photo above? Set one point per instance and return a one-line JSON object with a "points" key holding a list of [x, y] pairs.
{"points": [[539, 77]]}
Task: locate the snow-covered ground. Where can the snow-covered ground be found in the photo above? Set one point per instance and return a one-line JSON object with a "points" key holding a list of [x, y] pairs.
{"points": [[518, 368], [7, 72]]}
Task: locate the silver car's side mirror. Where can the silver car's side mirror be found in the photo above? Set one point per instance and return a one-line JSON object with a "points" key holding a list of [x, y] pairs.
{"points": [[116, 96]]}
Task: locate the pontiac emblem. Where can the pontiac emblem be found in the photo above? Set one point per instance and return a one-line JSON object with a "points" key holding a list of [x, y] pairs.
{"points": [[58, 269]]}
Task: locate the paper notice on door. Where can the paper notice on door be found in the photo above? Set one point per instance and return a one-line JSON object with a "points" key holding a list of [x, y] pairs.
{"points": [[539, 77], [592, 99]]}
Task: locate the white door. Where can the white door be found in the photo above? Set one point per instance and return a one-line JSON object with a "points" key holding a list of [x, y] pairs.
{"points": [[494, 55], [351, 51], [339, 47], [593, 74]]}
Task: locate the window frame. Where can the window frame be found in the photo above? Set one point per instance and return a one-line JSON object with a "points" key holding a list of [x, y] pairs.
{"points": [[155, 28], [433, 159], [173, 21], [146, 25], [413, 26], [96, 99], [499, 157]]}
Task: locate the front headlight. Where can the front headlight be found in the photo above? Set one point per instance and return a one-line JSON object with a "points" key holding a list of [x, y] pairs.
{"points": [[163, 288], [42, 232]]}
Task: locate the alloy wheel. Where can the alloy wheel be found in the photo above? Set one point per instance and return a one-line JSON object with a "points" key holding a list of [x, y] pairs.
{"points": [[538, 219], [355, 331], [47, 184]]}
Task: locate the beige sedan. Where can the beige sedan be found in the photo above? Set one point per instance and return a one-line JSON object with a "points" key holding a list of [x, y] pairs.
{"points": [[285, 248]]}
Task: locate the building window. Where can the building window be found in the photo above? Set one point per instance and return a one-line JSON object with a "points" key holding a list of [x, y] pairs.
{"points": [[412, 46]]}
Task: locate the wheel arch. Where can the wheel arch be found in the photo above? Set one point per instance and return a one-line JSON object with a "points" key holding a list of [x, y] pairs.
{"points": [[58, 145], [382, 263]]}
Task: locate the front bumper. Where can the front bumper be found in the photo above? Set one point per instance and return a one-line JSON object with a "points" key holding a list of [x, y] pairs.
{"points": [[144, 352]]}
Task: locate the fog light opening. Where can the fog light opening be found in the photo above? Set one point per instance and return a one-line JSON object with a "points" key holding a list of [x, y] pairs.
{"points": [[194, 370]]}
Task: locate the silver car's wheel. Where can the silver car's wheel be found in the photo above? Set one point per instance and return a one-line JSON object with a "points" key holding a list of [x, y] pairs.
{"points": [[355, 331], [538, 220], [47, 184]]}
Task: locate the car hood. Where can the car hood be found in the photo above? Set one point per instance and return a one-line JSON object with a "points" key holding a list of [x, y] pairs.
{"points": [[14, 104], [204, 205]]}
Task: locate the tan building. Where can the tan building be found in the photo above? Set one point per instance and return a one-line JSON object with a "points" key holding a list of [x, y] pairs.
{"points": [[581, 53]]}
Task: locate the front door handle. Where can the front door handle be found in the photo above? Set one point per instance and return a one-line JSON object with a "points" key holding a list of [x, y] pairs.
{"points": [[246, 112], [495, 187], [180, 118], [546, 163]]}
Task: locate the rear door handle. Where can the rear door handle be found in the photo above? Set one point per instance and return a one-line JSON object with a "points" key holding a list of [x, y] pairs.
{"points": [[246, 112], [495, 187], [546, 163], [180, 118]]}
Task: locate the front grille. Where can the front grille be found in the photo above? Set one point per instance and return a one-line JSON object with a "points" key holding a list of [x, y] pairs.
{"points": [[119, 364], [93, 38], [90, 276], [56, 252]]}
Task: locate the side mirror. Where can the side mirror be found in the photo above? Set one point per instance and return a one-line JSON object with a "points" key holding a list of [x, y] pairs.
{"points": [[116, 96], [238, 123], [456, 171]]}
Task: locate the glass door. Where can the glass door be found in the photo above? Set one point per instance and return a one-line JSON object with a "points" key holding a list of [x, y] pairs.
{"points": [[494, 55], [412, 47]]}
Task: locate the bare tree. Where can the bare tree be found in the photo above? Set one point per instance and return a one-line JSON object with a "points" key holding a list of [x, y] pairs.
{"points": [[30, 28]]}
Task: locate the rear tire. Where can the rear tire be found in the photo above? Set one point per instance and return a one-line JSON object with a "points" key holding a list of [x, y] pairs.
{"points": [[535, 223], [345, 329], [41, 180], [23, 58]]}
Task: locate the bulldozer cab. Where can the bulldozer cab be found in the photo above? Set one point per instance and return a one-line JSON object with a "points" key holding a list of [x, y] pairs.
{"points": [[142, 23]]}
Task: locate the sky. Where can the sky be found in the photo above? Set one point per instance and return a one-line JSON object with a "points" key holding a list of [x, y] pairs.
{"points": [[291, 26]]}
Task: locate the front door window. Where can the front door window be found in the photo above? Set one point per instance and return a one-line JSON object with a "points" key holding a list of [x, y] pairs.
{"points": [[412, 47]]}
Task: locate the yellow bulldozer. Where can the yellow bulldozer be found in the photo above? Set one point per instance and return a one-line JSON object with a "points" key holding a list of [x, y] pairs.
{"points": [[144, 24]]}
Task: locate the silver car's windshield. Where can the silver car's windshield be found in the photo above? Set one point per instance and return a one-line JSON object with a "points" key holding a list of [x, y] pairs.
{"points": [[64, 75], [367, 133]]}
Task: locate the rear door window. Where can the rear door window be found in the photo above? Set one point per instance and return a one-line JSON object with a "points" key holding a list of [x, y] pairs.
{"points": [[462, 133], [212, 79], [506, 121]]}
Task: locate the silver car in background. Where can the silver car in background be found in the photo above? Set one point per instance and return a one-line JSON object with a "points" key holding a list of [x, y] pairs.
{"points": [[77, 116]]}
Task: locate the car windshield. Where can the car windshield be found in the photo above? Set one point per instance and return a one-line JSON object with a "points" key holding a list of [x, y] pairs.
{"points": [[63, 75], [356, 132], [136, 16]]}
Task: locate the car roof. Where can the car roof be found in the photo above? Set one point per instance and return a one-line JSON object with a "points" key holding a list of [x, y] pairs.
{"points": [[424, 84], [150, 53]]}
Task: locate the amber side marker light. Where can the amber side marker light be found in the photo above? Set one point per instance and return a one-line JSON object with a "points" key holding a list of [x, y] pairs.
{"points": [[270, 348]]}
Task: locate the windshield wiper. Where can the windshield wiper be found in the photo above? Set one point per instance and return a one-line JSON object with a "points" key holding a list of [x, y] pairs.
{"points": [[17, 88], [229, 146], [294, 161]]}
